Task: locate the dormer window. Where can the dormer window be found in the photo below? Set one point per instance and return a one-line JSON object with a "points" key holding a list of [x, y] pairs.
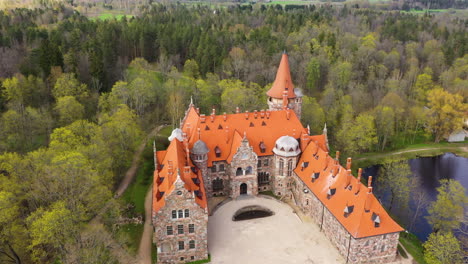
{"points": [[262, 147], [315, 176], [291, 150], [263, 123], [348, 210], [331, 192], [207, 128], [376, 219], [220, 127], [217, 152], [251, 124]]}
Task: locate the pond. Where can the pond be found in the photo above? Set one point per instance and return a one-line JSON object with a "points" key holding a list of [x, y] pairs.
{"points": [[430, 170]]}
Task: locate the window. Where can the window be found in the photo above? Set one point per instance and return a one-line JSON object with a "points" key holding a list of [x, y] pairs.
{"points": [[192, 257], [239, 172], [221, 167], [213, 169], [180, 229], [281, 167], [191, 228], [192, 244], [169, 230], [265, 162], [187, 213], [181, 214], [259, 163], [217, 185], [217, 152], [262, 145], [174, 214], [181, 258], [181, 245], [249, 170], [263, 178], [290, 167]]}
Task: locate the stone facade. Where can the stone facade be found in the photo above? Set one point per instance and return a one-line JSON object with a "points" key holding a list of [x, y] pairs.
{"points": [[187, 213], [374, 249]]}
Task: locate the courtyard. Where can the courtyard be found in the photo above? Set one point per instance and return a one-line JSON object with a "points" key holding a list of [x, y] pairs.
{"points": [[277, 239]]}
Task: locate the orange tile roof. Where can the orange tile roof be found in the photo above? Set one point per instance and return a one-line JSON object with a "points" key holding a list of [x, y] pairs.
{"points": [[262, 126], [283, 80], [348, 192], [171, 163]]}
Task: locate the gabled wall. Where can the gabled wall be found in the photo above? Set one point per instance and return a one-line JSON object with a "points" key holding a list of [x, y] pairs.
{"points": [[167, 245]]}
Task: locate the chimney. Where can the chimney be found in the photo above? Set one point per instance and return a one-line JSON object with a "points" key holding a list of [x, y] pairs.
{"points": [[198, 110], [262, 113], [294, 133], [348, 164], [337, 157], [202, 118], [237, 110], [308, 129], [367, 204], [246, 115], [255, 114], [224, 116], [199, 133], [268, 114], [288, 114], [213, 112], [227, 134], [348, 177], [369, 185], [359, 180]]}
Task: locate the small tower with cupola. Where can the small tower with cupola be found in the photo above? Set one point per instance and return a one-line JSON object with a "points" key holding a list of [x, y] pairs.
{"points": [[287, 153]]}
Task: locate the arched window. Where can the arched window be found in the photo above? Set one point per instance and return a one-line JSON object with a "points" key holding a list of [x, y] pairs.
{"points": [[239, 171], [180, 214], [281, 167], [290, 167], [249, 170], [217, 184], [187, 213]]}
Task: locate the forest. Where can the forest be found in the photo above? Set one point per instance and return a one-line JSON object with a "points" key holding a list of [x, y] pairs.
{"points": [[78, 95]]}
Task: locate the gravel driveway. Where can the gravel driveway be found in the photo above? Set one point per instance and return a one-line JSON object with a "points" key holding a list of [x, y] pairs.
{"points": [[278, 239]]}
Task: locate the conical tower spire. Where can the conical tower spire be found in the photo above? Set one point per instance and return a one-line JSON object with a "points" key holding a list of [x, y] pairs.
{"points": [[283, 81]]}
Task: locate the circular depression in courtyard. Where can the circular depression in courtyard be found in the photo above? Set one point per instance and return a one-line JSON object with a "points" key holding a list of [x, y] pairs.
{"points": [[251, 212], [278, 239]]}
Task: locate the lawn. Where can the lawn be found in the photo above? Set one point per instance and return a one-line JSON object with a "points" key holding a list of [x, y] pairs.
{"points": [[413, 246]]}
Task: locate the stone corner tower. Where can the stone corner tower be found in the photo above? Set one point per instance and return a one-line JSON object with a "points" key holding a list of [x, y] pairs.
{"points": [[282, 93]]}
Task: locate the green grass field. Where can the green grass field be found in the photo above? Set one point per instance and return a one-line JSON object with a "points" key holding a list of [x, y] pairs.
{"points": [[110, 15], [413, 246]]}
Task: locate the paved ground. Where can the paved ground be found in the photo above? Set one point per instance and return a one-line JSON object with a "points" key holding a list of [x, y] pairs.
{"points": [[278, 239]]}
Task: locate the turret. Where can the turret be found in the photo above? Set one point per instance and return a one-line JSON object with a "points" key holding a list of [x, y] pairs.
{"points": [[282, 94]]}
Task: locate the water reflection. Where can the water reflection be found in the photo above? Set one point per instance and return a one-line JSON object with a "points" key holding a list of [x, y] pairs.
{"points": [[430, 170]]}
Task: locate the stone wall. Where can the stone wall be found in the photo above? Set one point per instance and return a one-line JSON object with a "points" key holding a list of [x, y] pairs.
{"points": [[244, 161], [266, 169], [168, 245], [375, 249], [218, 173], [335, 232]]}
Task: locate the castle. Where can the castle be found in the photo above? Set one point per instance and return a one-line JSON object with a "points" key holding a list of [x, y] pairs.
{"points": [[268, 150]]}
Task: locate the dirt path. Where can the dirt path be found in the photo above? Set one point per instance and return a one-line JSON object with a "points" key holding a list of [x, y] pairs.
{"points": [[462, 148], [130, 174], [117, 250], [144, 251]]}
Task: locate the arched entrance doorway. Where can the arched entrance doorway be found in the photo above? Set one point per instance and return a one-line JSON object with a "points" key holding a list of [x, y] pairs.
{"points": [[243, 188]]}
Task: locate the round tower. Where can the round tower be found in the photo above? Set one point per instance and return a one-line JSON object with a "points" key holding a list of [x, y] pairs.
{"points": [[287, 153], [282, 94], [199, 156]]}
